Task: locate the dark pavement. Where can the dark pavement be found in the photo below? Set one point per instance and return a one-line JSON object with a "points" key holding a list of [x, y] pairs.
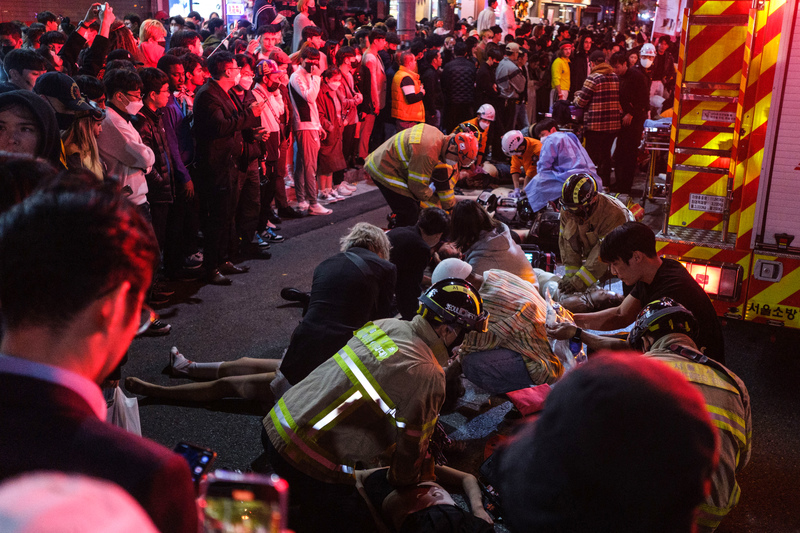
{"points": [[250, 319]]}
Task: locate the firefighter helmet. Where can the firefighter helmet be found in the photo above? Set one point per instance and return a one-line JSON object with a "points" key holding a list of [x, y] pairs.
{"points": [[648, 49], [454, 301], [513, 143], [486, 112], [578, 192], [659, 318], [466, 149], [467, 127]]}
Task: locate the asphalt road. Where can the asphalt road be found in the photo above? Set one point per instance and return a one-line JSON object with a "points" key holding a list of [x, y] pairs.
{"points": [[249, 319]]}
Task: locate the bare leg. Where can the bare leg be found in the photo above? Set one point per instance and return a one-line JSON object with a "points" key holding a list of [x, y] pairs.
{"points": [[247, 365], [182, 367], [249, 387]]}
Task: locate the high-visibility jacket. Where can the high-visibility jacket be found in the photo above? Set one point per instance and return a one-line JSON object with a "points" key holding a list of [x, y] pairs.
{"points": [[407, 107], [560, 73], [481, 135], [405, 162], [728, 403], [579, 239], [385, 387], [527, 163]]}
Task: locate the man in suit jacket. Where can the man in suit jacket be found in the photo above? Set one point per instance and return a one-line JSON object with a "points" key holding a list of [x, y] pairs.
{"points": [[70, 310], [218, 124]]}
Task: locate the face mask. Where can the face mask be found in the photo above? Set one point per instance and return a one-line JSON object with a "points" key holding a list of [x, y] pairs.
{"points": [[483, 124], [237, 79], [134, 107], [646, 62], [246, 82], [311, 11], [335, 85], [273, 86]]}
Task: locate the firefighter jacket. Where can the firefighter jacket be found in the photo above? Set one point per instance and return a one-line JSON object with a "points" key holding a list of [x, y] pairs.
{"points": [[405, 162], [527, 163], [384, 388], [728, 403], [579, 239], [407, 102]]}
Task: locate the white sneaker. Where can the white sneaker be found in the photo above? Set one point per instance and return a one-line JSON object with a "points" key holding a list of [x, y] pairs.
{"points": [[343, 190], [352, 186], [302, 206], [288, 182], [324, 197], [318, 209], [335, 196]]}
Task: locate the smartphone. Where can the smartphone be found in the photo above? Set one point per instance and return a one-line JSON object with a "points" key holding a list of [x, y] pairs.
{"points": [[244, 503], [200, 459]]}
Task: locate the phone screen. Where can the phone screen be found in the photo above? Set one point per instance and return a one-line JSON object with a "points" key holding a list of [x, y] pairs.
{"points": [[200, 459], [245, 503]]}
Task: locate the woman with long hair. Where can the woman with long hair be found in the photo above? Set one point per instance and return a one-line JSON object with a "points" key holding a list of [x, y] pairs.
{"points": [[487, 243], [152, 38], [80, 142], [121, 38]]}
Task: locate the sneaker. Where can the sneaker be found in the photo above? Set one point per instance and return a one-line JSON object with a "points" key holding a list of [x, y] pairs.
{"points": [[288, 182], [343, 190], [302, 207], [157, 329], [335, 196], [270, 236], [352, 187], [194, 260], [260, 241], [318, 209]]}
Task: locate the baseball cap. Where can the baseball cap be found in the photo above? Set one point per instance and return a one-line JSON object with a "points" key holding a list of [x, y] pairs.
{"points": [[279, 56], [512, 47], [161, 15], [64, 89], [450, 268], [596, 56], [265, 68]]}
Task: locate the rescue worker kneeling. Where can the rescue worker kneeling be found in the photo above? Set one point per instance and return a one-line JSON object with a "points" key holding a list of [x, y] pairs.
{"points": [[380, 394], [586, 217]]}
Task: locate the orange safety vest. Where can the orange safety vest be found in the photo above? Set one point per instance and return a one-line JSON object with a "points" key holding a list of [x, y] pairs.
{"points": [[401, 110]]}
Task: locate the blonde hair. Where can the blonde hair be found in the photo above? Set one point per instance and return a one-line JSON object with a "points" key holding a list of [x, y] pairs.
{"points": [[81, 136], [301, 5], [150, 29], [365, 235]]}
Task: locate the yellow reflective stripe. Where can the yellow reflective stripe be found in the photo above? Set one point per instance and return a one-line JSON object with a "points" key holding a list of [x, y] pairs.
{"points": [[336, 410], [587, 277], [702, 374], [360, 376], [280, 414], [570, 270], [377, 341], [400, 147], [418, 178], [415, 134], [446, 195], [385, 177], [711, 516], [726, 420]]}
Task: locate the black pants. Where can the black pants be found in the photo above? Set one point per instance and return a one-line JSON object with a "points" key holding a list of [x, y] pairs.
{"points": [[318, 506], [215, 216], [455, 114], [625, 156], [598, 146], [407, 209], [267, 186], [245, 206]]}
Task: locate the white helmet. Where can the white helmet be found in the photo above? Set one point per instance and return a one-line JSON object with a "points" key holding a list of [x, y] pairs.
{"points": [[486, 112], [513, 143], [648, 50]]}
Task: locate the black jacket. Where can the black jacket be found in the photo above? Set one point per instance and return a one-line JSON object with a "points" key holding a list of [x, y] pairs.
{"points": [[160, 181], [578, 65], [485, 88], [217, 129], [634, 95], [458, 81], [433, 99]]}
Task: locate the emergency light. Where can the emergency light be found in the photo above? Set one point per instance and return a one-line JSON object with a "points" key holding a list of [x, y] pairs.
{"points": [[721, 281]]}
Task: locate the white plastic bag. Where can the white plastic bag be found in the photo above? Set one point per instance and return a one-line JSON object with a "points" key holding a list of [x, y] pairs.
{"points": [[556, 313], [124, 412]]}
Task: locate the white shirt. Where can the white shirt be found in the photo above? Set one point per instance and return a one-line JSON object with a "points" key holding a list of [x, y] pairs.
{"points": [[126, 156], [486, 19]]}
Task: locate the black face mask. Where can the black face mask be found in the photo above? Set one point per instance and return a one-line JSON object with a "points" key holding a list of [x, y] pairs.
{"points": [[311, 11], [7, 48], [273, 86]]}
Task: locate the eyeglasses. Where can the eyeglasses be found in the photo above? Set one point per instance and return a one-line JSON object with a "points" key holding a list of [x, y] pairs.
{"points": [[147, 319], [133, 96]]}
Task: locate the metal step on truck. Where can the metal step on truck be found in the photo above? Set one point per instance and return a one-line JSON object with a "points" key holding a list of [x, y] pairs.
{"points": [[731, 213]]}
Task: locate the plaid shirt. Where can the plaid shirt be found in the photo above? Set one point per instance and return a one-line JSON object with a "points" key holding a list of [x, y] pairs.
{"points": [[600, 92]]}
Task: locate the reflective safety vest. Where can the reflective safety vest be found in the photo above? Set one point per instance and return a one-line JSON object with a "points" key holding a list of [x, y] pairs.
{"points": [[401, 109], [728, 403], [383, 389]]}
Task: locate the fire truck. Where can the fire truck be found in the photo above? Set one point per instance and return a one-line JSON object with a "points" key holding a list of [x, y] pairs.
{"points": [[732, 206]]}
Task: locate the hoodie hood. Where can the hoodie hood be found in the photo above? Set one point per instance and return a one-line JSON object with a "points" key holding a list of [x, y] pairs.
{"points": [[603, 68], [50, 143]]}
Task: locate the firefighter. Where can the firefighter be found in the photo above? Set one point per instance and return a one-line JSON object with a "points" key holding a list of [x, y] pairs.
{"points": [[479, 126], [586, 217], [524, 153], [666, 331], [402, 169], [380, 394]]}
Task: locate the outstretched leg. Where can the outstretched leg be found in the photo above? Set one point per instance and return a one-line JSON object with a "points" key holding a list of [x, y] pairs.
{"points": [[183, 367], [249, 387]]}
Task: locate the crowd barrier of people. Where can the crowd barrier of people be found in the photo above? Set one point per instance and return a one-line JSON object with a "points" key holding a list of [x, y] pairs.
{"points": [[137, 154]]}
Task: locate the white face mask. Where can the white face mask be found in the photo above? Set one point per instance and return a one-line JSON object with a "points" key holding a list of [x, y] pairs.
{"points": [[334, 85], [646, 61], [237, 78], [483, 124], [246, 82], [134, 106]]}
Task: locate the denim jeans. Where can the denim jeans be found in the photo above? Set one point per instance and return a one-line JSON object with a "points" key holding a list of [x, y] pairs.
{"points": [[497, 371]]}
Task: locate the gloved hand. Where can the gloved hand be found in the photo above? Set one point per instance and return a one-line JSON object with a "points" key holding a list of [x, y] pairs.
{"points": [[571, 284], [479, 169]]}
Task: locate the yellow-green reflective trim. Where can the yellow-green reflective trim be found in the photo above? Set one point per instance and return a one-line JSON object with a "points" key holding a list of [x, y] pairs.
{"points": [[377, 341], [702, 374]]}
